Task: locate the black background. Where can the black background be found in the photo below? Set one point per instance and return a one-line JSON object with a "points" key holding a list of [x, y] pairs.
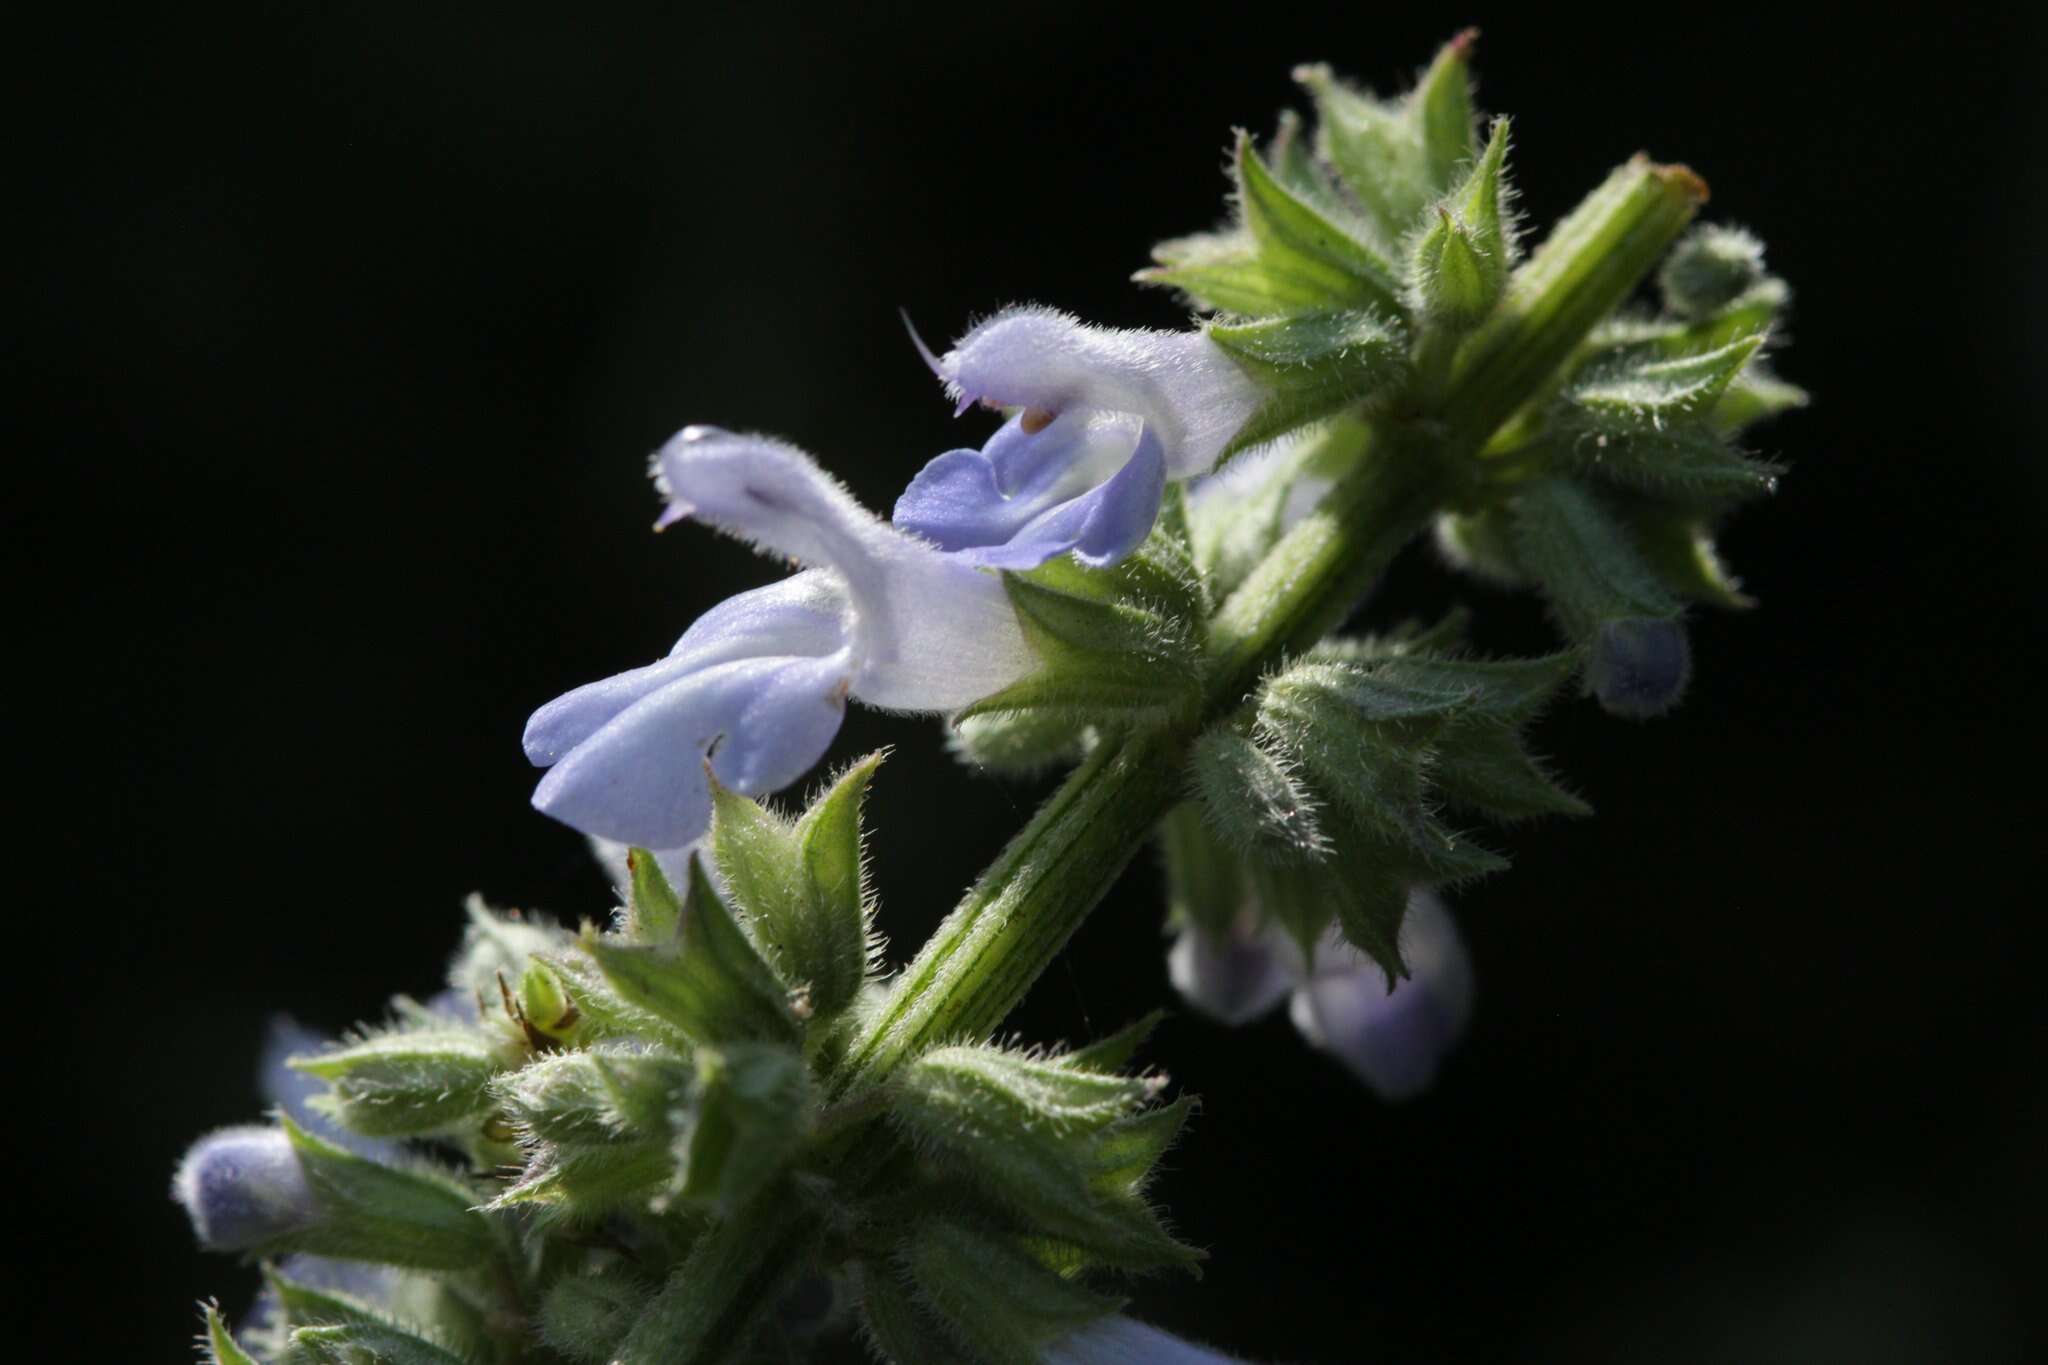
{"points": [[341, 340]]}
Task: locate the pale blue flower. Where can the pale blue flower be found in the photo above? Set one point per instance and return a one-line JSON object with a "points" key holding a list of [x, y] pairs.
{"points": [[1639, 666], [242, 1187], [1126, 1341], [1105, 418], [1393, 1040], [759, 684]]}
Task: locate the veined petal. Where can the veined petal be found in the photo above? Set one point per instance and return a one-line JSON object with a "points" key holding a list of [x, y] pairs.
{"points": [[805, 614], [639, 778], [1391, 1040], [928, 632], [1181, 384], [1090, 485]]}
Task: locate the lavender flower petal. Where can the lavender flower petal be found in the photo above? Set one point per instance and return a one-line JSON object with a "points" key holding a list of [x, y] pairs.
{"points": [[1126, 1341], [1236, 977], [242, 1187], [1391, 1040]]}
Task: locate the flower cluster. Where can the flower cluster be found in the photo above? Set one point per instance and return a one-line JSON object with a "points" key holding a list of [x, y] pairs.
{"points": [[905, 616]]}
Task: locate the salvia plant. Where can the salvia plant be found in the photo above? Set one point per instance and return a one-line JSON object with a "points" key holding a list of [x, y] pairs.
{"points": [[720, 1126]]}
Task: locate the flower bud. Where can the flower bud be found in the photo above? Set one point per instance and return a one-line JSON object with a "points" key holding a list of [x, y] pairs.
{"points": [[1709, 270], [242, 1187], [1639, 666], [1236, 976]]}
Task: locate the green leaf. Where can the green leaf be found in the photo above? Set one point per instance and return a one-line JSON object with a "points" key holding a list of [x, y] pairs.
{"points": [[1370, 904], [372, 1212], [1587, 562], [353, 1343], [714, 988], [1204, 880], [997, 1299], [752, 1111], [219, 1344], [1253, 799], [1312, 365], [406, 1084], [999, 1086], [655, 912], [1297, 240]]}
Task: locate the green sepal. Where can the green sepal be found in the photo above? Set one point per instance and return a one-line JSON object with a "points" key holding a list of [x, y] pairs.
{"points": [[496, 946], [654, 912], [406, 1084], [802, 886], [1376, 149], [1587, 561], [1312, 365], [1299, 242], [1755, 395], [996, 1299], [1205, 884], [1509, 690], [1459, 262], [1225, 272], [1126, 1154], [714, 987], [897, 1327], [608, 1094], [1440, 108], [751, 1111], [1678, 545], [1482, 544], [1297, 897], [304, 1305], [380, 1343], [1019, 743], [1119, 645], [984, 1121], [585, 1317], [1114, 1052], [1369, 905], [1290, 155], [581, 1185], [602, 1013], [1482, 765], [219, 1344], [1358, 740], [1253, 799], [368, 1211]]}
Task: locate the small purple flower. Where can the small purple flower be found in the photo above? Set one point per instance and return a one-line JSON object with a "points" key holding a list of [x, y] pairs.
{"points": [[1236, 976], [1639, 666], [1393, 1040], [1105, 418], [758, 685], [242, 1187], [1126, 1341]]}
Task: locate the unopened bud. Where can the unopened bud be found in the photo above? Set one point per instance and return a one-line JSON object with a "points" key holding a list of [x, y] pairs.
{"points": [[1709, 270], [1236, 976], [1639, 666], [242, 1187]]}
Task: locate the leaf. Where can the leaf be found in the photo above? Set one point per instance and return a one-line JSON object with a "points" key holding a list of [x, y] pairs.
{"points": [[654, 913], [1588, 564], [218, 1343], [349, 1343]]}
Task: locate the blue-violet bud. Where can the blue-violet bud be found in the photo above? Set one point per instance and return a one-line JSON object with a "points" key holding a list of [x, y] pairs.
{"points": [[243, 1187], [1638, 667]]}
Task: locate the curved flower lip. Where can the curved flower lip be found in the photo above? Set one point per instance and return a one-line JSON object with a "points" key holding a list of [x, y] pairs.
{"points": [[1181, 384], [1030, 496], [758, 685]]}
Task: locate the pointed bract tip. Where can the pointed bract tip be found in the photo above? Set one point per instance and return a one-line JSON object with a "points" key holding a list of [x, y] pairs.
{"points": [[1463, 42]]}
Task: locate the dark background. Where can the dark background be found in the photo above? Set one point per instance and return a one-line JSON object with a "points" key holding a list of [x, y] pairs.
{"points": [[340, 342]]}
